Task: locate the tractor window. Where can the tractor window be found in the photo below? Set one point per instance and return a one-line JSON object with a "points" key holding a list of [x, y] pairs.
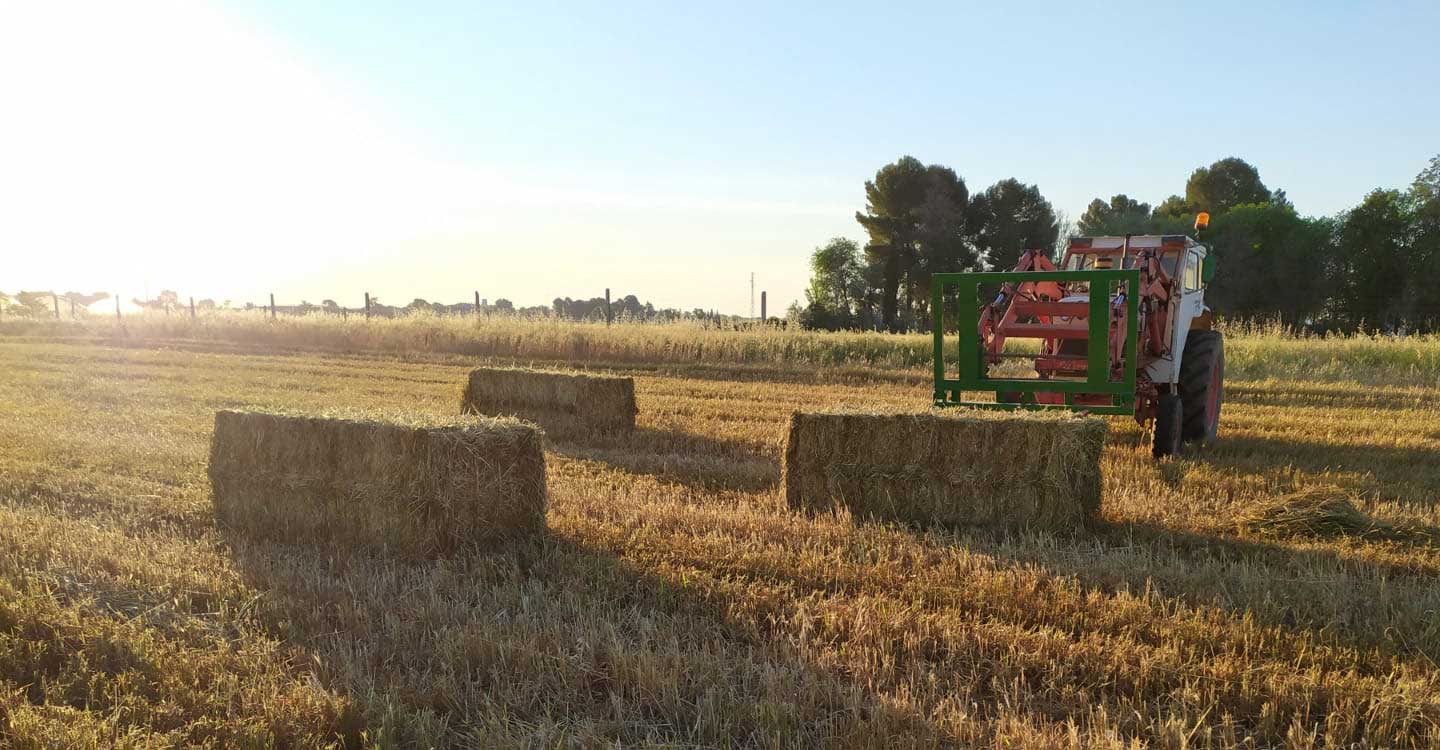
{"points": [[1192, 272]]}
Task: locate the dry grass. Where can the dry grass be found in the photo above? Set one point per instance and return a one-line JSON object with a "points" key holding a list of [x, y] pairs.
{"points": [[1251, 353], [409, 484], [594, 403], [1020, 470], [677, 602]]}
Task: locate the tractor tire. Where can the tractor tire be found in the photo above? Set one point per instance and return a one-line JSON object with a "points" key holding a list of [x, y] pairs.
{"points": [[1169, 419], [1202, 384]]}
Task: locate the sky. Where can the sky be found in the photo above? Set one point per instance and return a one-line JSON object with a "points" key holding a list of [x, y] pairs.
{"points": [[319, 150]]}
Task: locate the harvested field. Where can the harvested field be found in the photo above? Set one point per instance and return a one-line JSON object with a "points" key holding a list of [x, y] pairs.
{"points": [[676, 601], [1017, 470], [414, 485], [561, 401]]}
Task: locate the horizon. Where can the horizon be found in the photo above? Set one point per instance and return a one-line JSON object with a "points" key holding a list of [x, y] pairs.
{"points": [[233, 150]]}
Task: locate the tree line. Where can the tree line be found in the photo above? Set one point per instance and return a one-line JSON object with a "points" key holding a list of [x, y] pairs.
{"points": [[1363, 269], [625, 308]]}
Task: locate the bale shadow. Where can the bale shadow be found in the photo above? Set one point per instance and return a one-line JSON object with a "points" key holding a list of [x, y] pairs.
{"points": [[686, 458], [547, 638]]}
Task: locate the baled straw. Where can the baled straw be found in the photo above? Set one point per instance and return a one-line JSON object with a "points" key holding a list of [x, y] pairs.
{"points": [[415, 486], [553, 399], [952, 467]]}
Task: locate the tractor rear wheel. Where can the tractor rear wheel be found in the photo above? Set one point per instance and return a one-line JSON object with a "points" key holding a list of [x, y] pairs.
{"points": [[1169, 417], [1202, 384]]}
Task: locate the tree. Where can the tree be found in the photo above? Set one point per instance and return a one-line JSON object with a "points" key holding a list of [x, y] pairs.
{"points": [[916, 219], [1224, 185], [1174, 206], [1011, 217], [1122, 215], [836, 285], [504, 305], [1372, 242], [1271, 262], [1422, 294]]}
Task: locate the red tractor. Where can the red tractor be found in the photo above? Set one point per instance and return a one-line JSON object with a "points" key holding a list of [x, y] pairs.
{"points": [[1143, 345]]}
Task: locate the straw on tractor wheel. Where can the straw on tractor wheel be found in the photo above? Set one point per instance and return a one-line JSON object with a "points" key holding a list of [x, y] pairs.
{"points": [[413, 486], [1000, 469], [559, 401]]}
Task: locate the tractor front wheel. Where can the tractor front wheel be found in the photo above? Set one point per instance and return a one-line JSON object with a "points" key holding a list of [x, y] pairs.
{"points": [[1202, 384], [1169, 417]]}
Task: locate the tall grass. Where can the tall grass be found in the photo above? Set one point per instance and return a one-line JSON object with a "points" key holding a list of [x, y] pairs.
{"points": [[1252, 351]]}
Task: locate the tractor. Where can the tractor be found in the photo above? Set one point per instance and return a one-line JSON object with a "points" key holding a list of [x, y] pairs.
{"points": [[1122, 328]]}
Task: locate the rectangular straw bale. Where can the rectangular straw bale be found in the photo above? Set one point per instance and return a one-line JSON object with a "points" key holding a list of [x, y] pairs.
{"points": [[951, 467], [414, 486], [554, 399]]}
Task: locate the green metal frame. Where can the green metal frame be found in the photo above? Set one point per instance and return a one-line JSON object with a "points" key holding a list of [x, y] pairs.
{"points": [[950, 392]]}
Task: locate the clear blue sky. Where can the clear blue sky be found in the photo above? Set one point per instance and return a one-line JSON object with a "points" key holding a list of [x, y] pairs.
{"points": [[534, 150]]}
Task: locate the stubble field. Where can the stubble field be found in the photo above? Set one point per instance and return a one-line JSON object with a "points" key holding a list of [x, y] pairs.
{"points": [[1226, 599]]}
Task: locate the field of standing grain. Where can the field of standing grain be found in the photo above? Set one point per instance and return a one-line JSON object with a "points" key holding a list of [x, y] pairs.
{"points": [[1281, 589]]}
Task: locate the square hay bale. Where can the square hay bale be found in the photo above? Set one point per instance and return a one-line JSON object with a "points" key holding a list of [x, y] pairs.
{"points": [[411, 485], [555, 399], [949, 467]]}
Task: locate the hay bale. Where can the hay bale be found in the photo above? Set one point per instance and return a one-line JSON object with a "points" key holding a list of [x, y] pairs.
{"points": [[555, 399], [415, 486], [953, 467]]}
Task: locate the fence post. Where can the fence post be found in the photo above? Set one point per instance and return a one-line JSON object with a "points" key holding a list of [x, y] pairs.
{"points": [[477, 303], [272, 305], [608, 316], [72, 308], [56, 300], [192, 308], [762, 307], [367, 305], [117, 306]]}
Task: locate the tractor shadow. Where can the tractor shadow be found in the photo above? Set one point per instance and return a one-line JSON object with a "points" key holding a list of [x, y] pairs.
{"points": [[1406, 474], [1342, 396], [556, 637], [1331, 594]]}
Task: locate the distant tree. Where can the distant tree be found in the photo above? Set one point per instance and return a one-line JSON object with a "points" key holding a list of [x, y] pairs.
{"points": [[1372, 246], [1121, 215], [329, 305], [418, 304], [1012, 217], [836, 285], [916, 219], [34, 304], [1174, 206], [209, 304], [84, 300], [504, 305], [1224, 185], [1271, 263]]}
